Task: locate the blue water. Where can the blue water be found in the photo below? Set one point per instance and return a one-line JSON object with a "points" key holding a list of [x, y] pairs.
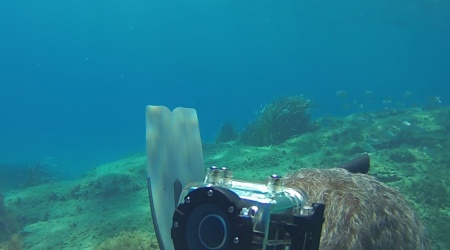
{"points": [[75, 75]]}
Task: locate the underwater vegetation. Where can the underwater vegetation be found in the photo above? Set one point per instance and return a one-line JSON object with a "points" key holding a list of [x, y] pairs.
{"points": [[286, 116], [227, 132], [9, 228], [41, 172], [37, 174], [136, 240]]}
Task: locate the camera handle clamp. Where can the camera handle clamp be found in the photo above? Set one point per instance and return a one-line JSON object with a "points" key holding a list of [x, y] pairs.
{"points": [[305, 230]]}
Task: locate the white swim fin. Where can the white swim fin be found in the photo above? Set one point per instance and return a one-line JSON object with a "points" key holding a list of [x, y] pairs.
{"points": [[174, 159]]}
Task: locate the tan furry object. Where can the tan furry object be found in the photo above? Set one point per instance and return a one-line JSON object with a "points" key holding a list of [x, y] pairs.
{"points": [[360, 211]]}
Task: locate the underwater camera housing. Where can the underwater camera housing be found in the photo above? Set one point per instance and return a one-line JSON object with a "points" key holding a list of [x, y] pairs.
{"points": [[222, 213], [194, 212]]}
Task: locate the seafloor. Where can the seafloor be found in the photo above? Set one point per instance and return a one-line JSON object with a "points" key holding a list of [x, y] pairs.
{"points": [[108, 207]]}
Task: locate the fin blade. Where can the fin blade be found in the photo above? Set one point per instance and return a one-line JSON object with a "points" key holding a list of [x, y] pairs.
{"points": [[174, 157]]}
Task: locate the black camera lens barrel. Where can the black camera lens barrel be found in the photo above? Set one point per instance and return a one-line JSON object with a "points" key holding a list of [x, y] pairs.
{"points": [[208, 226], [209, 219]]}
